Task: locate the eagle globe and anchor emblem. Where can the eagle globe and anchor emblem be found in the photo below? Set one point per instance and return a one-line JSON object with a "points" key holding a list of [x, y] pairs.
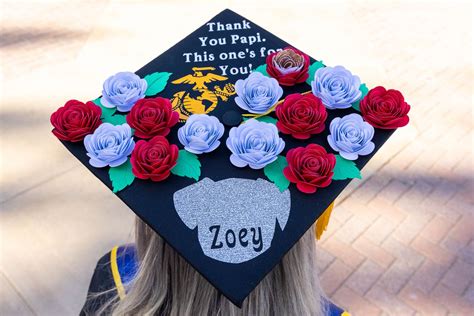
{"points": [[200, 99]]}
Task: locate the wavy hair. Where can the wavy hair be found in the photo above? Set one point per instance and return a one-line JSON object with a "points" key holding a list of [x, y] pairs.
{"points": [[166, 284]]}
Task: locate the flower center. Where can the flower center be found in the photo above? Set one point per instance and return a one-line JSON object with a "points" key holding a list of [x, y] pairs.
{"points": [[110, 141], [73, 117], [311, 165], [260, 90], [288, 58], [200, 131], [256, 142], [149, 113], [123, 86], [302, 111], [156, 153]]}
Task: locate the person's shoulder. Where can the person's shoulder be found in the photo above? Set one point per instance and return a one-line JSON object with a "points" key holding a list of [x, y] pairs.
{"points": [[112, 270], [334, 310], [124, 265], [100, 288]]}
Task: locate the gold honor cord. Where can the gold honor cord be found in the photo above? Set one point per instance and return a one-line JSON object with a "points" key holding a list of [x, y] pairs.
{"points": [[116, 273]]}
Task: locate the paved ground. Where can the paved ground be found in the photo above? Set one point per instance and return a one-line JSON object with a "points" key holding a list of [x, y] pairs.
{"points": [[400, 241]]}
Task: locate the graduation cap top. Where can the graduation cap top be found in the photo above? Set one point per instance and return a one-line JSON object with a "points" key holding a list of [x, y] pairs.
{"points": [[230, 145]]}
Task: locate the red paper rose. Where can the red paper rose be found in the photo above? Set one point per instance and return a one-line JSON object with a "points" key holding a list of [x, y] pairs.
{"points": [[153, 159], [152, 117], [385, 109], [301, 115], [310, 167], [73, 121], [289, 66]]}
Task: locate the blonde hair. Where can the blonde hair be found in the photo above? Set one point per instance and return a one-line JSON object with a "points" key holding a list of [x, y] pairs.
{"points": [[167, 285]]}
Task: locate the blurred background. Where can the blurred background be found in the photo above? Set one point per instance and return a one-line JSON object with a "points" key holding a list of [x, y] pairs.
{"points": [[400, 241]]}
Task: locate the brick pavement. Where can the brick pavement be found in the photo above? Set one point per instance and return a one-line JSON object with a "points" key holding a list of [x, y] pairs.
{"points": [[400, 241]]}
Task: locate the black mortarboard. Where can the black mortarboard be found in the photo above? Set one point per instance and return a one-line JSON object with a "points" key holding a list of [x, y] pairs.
{"points": [[235, 189]]}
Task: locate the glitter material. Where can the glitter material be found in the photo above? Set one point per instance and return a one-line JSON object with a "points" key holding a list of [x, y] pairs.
{"points": [[235, 218]]}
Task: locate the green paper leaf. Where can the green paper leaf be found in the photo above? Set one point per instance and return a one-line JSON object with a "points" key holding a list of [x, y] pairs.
{"points": [[345, 169], [121, 176], [156, 82], [105, 111], [188, 165], [363, 88], [266, 119], [116, 119], [262, 69], [312, 69], [274, 172]]}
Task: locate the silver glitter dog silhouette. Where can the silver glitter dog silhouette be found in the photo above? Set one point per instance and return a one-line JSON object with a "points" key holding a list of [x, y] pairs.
{"points": [[235, 218]]}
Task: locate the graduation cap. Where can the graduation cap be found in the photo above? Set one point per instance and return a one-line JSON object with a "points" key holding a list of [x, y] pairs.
{"points": [[230, 145]]}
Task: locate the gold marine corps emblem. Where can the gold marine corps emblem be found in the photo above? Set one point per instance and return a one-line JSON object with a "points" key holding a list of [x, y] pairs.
{"points": [[201, 99]]}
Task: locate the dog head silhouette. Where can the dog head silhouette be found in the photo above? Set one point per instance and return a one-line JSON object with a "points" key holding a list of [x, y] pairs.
{"points": [[235, 218]]}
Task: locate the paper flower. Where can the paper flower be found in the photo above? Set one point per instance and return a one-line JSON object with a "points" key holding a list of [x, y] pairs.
{"points": [[289, 66], [301, 115], [122, 90], [258, 93], [152, 117], [154, 159], [255, 144], [109, 145], [336, 87], [73, 121], [351, 136], [385, 109], [201, 133], [310, 167]]}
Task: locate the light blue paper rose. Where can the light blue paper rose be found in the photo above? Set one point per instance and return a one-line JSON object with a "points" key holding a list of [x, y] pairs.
{"points": [[351, 136], [336, 87], [255, 144], [109, 145], [122, 90], [258, 93], [201, 133]]}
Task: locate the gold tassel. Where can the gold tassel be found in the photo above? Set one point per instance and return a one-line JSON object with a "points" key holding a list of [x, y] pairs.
{"points": [[323, 221]]}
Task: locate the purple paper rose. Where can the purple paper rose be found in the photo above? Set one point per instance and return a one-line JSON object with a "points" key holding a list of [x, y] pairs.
{"points": [[351, 136], [201, 133], [122, 90], [109, 145], [336, 87], [255, 144], [258, 93]]}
